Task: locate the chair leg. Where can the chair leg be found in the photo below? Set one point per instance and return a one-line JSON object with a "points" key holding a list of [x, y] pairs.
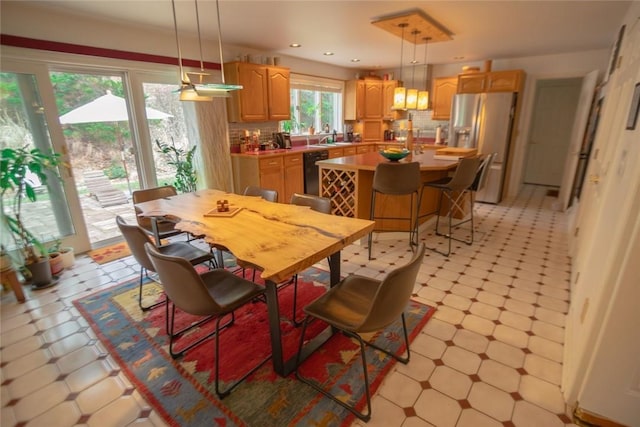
{"points": [[173, 335], [295, 301], [224, 393], [145, 307], [371, 213]]}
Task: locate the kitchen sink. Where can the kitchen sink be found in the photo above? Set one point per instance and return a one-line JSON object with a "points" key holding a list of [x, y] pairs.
{"points": [[343, 143]]}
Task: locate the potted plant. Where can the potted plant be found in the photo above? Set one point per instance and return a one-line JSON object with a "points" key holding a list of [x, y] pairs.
{"points": [[186, 178], [55, 257], [17, 167]]}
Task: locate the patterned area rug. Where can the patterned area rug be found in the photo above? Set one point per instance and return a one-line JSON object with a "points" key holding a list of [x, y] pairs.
{"points": [[182, 391], [110, 253]]}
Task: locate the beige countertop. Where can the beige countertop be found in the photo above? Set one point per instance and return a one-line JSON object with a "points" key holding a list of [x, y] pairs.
{"points": [[369, 161]]}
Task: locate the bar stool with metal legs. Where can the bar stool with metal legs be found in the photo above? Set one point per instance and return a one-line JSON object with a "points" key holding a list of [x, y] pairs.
{"points": [[397, 179], [455, 188]]}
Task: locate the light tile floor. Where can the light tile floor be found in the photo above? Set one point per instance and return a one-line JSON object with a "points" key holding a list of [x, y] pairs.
{"points": [[490, 356]]}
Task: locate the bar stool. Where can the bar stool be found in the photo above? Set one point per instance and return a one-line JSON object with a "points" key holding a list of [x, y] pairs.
{"points": [[455, 188], [397, 179], [481, 180]]}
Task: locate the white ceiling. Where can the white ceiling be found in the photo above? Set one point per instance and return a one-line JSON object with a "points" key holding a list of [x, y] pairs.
{"points": [[481, 29]]}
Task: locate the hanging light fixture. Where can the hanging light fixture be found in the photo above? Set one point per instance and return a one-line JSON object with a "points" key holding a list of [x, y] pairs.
{"points": [[423, 95], [190, 91], [400, 93], [412, 94]]}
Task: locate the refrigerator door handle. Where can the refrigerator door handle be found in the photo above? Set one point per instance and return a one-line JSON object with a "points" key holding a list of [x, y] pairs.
{"points": [[474, 138]]}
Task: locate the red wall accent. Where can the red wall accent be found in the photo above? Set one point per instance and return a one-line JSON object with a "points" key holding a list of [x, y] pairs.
{"points": [[30, 43]]}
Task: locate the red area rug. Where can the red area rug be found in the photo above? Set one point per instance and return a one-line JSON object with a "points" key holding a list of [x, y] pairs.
{"points": [[182, 391]]}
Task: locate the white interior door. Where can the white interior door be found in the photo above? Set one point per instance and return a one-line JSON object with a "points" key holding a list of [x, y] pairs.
{"points": [[601, 376], [552, 120], [577, 135]]}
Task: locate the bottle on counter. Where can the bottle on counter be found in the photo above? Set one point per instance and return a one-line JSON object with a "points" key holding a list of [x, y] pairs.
{"points": [[439, 134], [409, 142]]}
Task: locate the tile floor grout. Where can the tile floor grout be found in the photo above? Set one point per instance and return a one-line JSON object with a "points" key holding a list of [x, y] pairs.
{"points": [[490, 356]]}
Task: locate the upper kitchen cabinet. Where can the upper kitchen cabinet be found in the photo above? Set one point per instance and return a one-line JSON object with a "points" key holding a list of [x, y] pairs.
{"points": [[264, 95], [444, 88], [495, 81], [365, 99], [388, 87]]}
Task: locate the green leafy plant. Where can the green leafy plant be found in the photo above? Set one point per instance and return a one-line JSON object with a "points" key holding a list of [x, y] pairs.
{"points": [[17, 166], [182, 160]]}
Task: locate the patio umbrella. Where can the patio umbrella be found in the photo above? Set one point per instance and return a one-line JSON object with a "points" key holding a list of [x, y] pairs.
{"points": [[108, 108]]}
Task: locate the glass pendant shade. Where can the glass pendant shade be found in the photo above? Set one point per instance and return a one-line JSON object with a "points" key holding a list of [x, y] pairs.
{"points": [[399, 98], [412, 99], [423, 100]]}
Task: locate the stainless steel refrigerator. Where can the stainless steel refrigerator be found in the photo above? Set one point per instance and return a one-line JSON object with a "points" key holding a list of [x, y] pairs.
{"points": [[484, 121]]}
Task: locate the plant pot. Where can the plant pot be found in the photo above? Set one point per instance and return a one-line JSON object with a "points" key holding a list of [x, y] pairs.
{"points": [[68, 257], [41, 273], [55, 263]]}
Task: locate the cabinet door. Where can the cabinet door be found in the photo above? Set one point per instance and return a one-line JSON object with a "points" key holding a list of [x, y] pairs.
{"points": [[271, 175], [279, 94], [253, 95], [293, 176], [444, 89], [363, 149], [387, 99], [504, 81], [372, 99], [350, 151], [472, 83], [372, 130]]}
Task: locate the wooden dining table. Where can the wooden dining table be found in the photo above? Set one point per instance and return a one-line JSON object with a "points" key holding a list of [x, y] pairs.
{"points": [[279, 239]]}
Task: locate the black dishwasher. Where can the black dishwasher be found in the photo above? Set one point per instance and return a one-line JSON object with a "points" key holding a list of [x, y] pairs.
{"points": [[311, 171]]}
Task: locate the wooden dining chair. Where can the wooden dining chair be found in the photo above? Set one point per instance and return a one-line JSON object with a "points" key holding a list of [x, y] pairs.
{"points": [[358, 305], [136, 238], [216, 293]]}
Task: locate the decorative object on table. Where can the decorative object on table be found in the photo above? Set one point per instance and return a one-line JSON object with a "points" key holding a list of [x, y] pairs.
{"points": [[394, 154], [177, 389], [222, 205], [185, 177], [228, 213], [17, 166]]}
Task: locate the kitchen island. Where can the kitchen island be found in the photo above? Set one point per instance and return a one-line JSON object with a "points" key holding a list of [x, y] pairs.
{"points": [[347, 181]]}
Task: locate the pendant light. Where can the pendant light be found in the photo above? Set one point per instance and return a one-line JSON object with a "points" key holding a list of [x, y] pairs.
{"points": [[412, 94], [423, 95], [400, 93], [190, 91]]}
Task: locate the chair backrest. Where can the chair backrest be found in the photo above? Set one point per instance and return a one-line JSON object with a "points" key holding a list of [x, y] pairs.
{"points": [[393, 294], [136, 238], [268, 195], [182, 283], [483, 172], [317, 203], [141, 196], [465, 173], [397, 178]]}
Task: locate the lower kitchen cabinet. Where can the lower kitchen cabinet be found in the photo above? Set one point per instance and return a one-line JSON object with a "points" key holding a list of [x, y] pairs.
{"points": [[282, 173], [293, 176]]}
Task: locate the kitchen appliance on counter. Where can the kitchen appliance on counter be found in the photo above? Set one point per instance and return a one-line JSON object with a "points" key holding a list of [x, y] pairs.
{"points": [[484, 121], [312, 172], [283, 139]]}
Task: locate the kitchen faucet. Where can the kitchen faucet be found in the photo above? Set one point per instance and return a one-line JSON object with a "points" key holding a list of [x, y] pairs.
{"points": [[324, 138]]}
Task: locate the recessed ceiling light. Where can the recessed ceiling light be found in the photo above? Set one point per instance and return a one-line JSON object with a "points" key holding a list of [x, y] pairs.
{"points": [[458, 57], [415, 61], [355, 60], [328, 54], [295, 45]]}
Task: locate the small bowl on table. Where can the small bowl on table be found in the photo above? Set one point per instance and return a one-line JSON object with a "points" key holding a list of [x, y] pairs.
{"points": [[394, 156]]}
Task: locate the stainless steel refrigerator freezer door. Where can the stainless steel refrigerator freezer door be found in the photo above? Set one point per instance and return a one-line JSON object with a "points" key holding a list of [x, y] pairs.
{"points": [[492, 191], [464, 118], [495, 125]]}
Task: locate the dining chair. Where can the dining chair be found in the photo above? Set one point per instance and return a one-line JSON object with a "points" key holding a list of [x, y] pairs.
{"points": [[481, 178], [216, 293], [166, 228], [136, 238], [397, 179], [455, 188], [358, 305]]}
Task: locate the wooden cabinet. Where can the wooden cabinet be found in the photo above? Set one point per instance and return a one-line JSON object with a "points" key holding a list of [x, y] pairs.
{"points": [[388, 87], [264, 96], [372, 130], [372, 99], [444, 88], [293, 176], [283, 173], [354, 100], [495, 81], [364, 148], [271, 175], [350, 151], [334, 153]]}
